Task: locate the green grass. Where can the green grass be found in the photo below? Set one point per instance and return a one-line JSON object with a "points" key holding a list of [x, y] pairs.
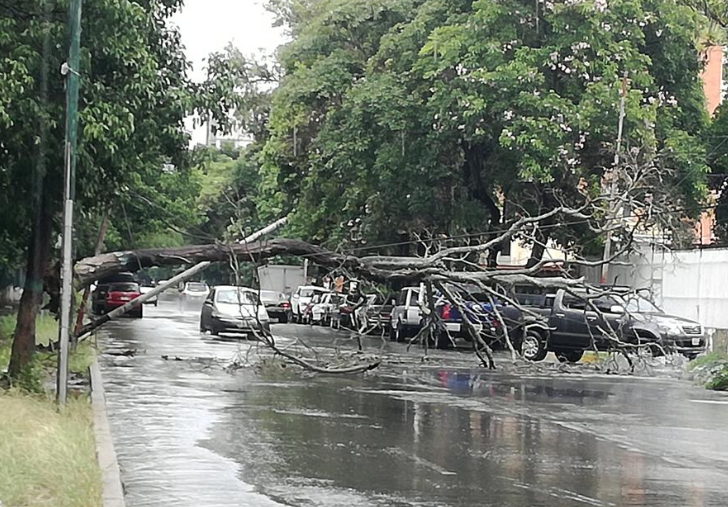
{"points": [[709, 358], [47, 458], [46, 331], [711, 370]]}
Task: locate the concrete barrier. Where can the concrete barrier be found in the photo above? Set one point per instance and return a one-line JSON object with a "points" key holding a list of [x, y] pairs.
{"points": [[112, 493]]}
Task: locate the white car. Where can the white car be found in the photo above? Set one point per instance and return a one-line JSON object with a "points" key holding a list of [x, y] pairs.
{"points": [[234, 309], [195, 290], [322, 311], [301, 300], [144, 289], [406, 314]]}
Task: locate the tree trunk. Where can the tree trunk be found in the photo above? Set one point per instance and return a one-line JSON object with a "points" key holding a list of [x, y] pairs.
{"points": [[38, 255], [87, 291]]}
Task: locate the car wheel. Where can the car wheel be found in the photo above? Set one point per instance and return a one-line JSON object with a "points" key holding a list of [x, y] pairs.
{"points": [[570, 356], [214, 331], [533, 347]]}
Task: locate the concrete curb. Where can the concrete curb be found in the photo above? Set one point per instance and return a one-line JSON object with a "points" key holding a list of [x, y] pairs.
{"points": [[112, 492]]}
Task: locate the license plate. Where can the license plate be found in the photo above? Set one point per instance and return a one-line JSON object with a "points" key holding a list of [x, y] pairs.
{"points": [[696, 341], [452, 327], [124, 298]]}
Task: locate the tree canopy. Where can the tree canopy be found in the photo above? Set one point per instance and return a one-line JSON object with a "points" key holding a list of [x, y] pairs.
{"points": [[454, 117]]}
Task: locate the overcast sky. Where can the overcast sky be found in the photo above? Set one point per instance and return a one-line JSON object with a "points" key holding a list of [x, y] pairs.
{"points": [[208, 25]]}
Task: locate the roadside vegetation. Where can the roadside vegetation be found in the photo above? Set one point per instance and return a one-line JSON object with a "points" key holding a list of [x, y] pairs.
{"points": [[47, 457], [711, 370]]}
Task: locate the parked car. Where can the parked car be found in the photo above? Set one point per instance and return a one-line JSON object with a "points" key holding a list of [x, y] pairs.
{"points": [[119, 294], [195, 290], [323, 310], [301, 300], [233, 309], [379, 311], [277, 305], [406, 316], [98, 297], [488, 320], [152, 301], [570, 325]]}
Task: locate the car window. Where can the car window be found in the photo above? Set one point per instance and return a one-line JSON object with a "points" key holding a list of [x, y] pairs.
{"points": [[124, 287], [305, 293], [232, 296], [638, 304], [402, 298], [574, 303], [197, 286], [413, 298]]}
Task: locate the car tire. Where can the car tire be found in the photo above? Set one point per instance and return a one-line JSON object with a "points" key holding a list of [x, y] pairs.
{"points": [[533, 347], [214, 331], [569, 356]]}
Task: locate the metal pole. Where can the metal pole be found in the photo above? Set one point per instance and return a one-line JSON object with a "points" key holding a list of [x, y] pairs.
{"points": [[71, 70], [613, 184]]}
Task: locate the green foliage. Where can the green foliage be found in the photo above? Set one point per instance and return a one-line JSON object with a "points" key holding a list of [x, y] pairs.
{"points": [[711, 370], [450, 117]]}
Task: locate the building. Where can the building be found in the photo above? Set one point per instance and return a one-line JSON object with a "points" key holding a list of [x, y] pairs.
{"points": [[712, 77]]}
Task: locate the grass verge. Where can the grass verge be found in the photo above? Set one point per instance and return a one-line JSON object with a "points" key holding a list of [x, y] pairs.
{"points": [[711, 370], [47, 458]]}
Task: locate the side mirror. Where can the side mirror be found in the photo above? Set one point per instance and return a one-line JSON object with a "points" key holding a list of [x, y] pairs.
{"points": [[616, 309], [296, 296]]}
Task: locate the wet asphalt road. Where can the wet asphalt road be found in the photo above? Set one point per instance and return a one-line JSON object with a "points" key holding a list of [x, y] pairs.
{"points": [[190, 434]]}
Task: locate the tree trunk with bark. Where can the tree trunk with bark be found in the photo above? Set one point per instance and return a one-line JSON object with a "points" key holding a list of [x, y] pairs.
{"points": [[38, 256]]}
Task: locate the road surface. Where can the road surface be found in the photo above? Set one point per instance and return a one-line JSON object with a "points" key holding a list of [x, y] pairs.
{"points": [[190, 434]]}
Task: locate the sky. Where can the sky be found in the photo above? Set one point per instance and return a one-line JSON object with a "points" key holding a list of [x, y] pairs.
{"points": [[208, 25]]}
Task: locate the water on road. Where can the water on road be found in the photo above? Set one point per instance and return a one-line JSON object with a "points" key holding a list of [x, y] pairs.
{"points": [[190, 434]]}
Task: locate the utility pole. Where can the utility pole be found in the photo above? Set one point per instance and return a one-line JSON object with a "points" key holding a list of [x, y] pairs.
{"points": [[71, 71], [612, 211]]}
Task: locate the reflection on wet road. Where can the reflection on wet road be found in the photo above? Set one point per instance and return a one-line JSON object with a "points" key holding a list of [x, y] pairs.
{"points": [[192, 435]]}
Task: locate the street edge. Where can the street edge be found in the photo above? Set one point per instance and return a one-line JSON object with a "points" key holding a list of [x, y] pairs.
{"points": [[112, 490]]}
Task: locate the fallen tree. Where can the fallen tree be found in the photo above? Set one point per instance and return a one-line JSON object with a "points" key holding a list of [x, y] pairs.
{"points": [[448, 262]]}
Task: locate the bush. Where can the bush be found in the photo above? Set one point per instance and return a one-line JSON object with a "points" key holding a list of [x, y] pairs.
{"points": [[711, 370]]}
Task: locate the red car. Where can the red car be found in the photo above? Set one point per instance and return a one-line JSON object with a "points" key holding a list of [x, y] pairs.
{"points": [[120, 294]]}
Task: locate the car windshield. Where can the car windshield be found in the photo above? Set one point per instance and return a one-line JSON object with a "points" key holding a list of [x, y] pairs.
{"points": [[196, 286], [243, 297], [638, 304], [124, 287]]}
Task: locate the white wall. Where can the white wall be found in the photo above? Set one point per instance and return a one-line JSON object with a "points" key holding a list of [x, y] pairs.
{"points": [[687, 283]]}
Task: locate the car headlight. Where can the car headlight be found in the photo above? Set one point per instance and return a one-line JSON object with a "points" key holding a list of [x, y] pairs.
{"points": [[671, 329]]}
